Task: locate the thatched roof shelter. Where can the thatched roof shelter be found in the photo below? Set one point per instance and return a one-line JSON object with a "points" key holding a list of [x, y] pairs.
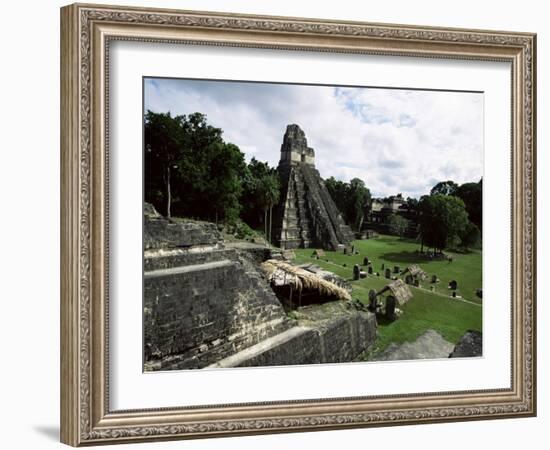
{"points": [[326, 275], [280, 273], [416, 271], [399, 290]]}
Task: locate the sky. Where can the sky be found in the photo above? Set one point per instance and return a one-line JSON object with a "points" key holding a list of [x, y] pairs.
{"points": [[395, 140]]}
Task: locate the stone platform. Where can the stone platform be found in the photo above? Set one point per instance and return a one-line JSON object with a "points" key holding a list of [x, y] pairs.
{"points": [[206, 304], [202, 300], [429, 345], [328, 333]]}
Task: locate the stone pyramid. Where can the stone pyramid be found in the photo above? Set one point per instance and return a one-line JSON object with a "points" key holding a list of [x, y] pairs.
{"points": [[306, 215]]}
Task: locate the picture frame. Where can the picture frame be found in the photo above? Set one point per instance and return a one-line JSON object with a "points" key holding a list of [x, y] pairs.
{"points": [[87, 32]]}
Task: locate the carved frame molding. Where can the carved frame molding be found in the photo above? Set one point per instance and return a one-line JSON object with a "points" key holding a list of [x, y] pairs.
{"points": [[86, 31]]}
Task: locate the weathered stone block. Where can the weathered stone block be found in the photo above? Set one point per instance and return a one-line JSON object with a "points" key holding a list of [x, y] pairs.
{"points": [[160, 232], [470, 345], [329, 333]]}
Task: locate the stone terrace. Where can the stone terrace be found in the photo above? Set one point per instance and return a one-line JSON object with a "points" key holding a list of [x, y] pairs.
{"points": [[207, 305]]}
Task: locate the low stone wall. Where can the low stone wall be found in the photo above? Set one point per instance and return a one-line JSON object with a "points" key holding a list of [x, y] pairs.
{"points": [[160, 232], [166, 258], [330, 333]]}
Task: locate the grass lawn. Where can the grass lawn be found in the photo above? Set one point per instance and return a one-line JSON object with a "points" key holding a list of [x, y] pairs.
{"points": [[426, 310]]}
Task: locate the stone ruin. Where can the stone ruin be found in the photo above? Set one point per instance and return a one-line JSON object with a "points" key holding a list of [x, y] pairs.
{"points": [[306, 215], [398, 294], [469, 345], [202, 300], [206, 304], [414, 275], [431, 345]]}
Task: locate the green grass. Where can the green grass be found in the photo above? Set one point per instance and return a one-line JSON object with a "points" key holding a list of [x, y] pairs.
{"points": [[427, 310]]}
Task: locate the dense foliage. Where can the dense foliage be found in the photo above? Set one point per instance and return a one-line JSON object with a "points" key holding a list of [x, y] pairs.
{"points": [[352, 199], [397, 225], [189, 169], [443, 219], [472, 194], [261, 192], [451, 216], [470, 236], [448, 187]]}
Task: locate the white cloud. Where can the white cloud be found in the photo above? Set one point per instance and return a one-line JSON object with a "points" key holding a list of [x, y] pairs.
{"points": [[395, 140]]}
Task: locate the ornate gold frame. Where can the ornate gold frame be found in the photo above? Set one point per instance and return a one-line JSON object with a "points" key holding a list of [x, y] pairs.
{"points": [[86, 31]]}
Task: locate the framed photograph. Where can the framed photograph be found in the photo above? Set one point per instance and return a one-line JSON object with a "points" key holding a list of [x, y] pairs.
{"points": [[276, 224]]}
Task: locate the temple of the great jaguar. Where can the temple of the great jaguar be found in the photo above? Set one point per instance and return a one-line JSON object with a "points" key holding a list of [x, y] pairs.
{"points": [[306, 215]]}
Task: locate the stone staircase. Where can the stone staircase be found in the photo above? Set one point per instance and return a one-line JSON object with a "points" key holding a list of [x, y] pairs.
{"points": [[202, 300], [330, 333], [307, 215], [294, 230]]}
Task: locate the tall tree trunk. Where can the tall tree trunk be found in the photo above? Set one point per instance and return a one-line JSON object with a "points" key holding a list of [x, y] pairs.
{"points": [[168, 194], [270, 222], [360, 223], [265, 223]]}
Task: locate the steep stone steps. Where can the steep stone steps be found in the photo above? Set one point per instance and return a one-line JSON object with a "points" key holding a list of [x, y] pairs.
{"points": [[203, 299], [244, 357], [199, 313], [328, 333]]}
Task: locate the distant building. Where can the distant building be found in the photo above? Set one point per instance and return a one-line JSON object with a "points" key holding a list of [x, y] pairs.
{"points": [[381, 209]]}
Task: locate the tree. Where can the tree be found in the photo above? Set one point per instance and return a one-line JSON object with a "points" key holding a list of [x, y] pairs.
{"points": [[472, 196], [224, 186], [352, 199], [339, 191], [469, 236], [202, 145], [412, 203], [272, 193], [211, 173], [442, 219], [359, 201], [397, 225], [190, 169], [411, 212], [444, 188], [163, 138], [261, 191], [267, 194]]}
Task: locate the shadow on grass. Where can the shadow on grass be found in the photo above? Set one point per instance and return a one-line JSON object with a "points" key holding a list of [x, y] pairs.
{"points": [[404, 257], [462, 251], [382, 320]]}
